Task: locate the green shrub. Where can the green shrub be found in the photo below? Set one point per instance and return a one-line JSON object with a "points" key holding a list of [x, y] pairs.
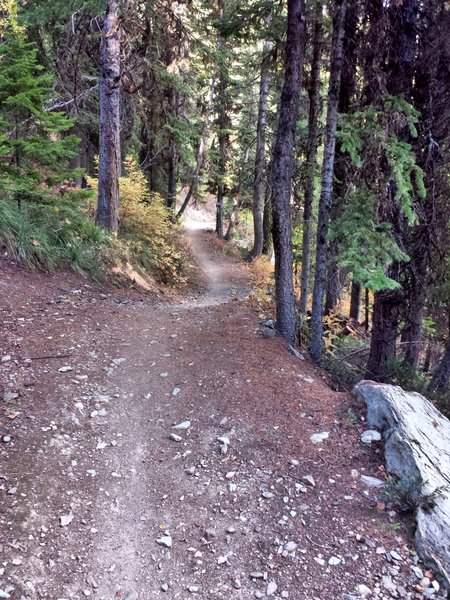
{"points": [[55, 233]]}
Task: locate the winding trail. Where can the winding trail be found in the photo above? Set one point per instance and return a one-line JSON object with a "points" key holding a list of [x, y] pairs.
{"points": [[92, 443]]}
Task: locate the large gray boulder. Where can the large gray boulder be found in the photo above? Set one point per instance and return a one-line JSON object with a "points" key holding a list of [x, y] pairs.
{"points": [[417, 447]]}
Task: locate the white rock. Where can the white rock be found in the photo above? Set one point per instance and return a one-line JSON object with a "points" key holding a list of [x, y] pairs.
{"points": [[66, 519], [417, 447], [165, 540], [175, 392], [290, 546], [363, 590], [182, 425], [267, 495], [334, 560], [271, 588], [372, 481], [309, 480], [224, 440], [318, 438], [370, 435], [65, 369], [175, 438]]}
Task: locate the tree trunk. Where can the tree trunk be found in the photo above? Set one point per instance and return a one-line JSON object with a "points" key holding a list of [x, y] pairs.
{"points": [[172, 176], [193, 186], [267, 221], [366, 310], [223, 135], [327, 180], [311, 156], [402, 39], [107, 214], [234, 220], [441, 376], [337, 278], [384, 334], [355, 301], [281, 176], [258, 185]]}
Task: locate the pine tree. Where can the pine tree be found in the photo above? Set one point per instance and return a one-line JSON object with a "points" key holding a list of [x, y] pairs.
{"points": [[34, 153]]}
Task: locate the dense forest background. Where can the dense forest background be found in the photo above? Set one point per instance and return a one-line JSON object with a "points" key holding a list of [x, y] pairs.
{"points": [[321, 130]]}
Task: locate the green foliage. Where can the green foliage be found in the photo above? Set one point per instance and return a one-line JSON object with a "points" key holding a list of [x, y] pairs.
{"points": [[373, 134], [368, 247], [34, 147], [407, 494], [57, 233]]}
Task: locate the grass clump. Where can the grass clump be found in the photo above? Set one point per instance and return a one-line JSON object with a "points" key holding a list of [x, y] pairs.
{"points": [[54, 232]]}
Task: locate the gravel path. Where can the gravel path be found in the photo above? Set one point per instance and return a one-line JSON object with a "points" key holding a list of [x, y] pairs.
{"points": [[167, 453]]}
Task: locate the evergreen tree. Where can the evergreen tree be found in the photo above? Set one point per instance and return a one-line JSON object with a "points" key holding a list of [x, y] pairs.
{"points": [[34, 150]]}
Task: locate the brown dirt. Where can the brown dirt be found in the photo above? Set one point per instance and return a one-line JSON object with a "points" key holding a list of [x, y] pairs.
{"points": [[93, 443]]}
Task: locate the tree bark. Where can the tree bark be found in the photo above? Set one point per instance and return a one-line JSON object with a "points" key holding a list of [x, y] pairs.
{"points": [[383, 344], [223, 135], [107, 214], [355, 301], [258, 185], [311, 156], [267, 221], [327, 180], [441, 376], [402, 39], [281, 176], [336, 278]]}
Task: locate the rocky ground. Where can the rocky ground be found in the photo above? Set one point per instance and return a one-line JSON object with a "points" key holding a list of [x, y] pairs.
{"points": [[177, 450]]}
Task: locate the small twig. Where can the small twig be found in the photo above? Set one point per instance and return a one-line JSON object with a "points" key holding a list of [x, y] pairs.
{"points": [[318, 545], [50, 356]]}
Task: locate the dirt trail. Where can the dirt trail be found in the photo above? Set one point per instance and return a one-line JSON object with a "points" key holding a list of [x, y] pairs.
{"points": [[264, 512]]}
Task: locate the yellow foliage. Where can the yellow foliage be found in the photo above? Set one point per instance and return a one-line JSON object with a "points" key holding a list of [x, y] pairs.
{"points": [[146, 228], [261, 274]]}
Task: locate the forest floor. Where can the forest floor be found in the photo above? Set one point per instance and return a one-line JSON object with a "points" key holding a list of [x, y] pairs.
{"points": [[91, 477]]}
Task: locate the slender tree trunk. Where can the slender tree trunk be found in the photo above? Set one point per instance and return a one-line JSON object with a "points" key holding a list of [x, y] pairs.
{"points": [[327, 180], [267, 221], [281, 176], [172, 176], [193, 186], [258, 185], [366, 310], [336, 278], [441, 376], [355, 301], [311, 156], [223, 135], [107, 214], [234, 220]]}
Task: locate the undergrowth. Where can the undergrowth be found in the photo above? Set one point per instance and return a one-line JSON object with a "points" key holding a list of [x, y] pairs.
{"points": [[54, 233], [149, 238], [262, 279], [59, 231]]}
